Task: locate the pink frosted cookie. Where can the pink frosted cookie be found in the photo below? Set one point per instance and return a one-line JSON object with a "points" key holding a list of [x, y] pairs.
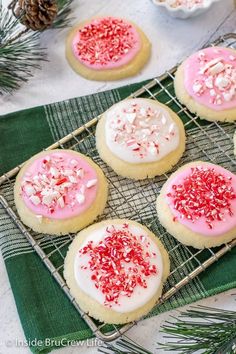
{"points": [[116, 269], [107, 48], [197, 205], [140, 138], [206, 84], [60, 191]]}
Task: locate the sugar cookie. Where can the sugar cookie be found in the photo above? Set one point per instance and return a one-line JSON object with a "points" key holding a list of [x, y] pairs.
{"points": [[107, 48], [116, 269], [206, 84], [60, 191], [197, 205], [140, 138]]}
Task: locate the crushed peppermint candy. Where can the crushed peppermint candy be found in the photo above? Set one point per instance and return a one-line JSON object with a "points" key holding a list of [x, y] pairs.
{"points": [[203, 194], [211, 76], [183, 3], [59, 182], [104, 41], [119, 263], [145, 131]]}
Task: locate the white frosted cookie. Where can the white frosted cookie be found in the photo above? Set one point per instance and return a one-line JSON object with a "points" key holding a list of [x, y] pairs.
{"points": [[107, 48], [206, 84], [197, 205], [140, 138], [116, 269], [60, 191]]}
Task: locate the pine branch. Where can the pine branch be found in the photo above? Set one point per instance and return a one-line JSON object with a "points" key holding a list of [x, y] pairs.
{"points": [[123, 346], [63, 18], [208, 329], [8, 25], [20, 51], [19, 56]]}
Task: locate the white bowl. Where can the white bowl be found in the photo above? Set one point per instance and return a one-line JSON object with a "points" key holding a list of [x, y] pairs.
{"points": [[183, 12]]}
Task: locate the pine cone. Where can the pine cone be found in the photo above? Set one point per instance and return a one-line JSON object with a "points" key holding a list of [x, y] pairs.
{"points": [[36, 14]]}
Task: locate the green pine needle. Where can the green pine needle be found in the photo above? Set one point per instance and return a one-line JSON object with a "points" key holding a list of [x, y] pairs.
{"points": [[19, 56], [63, 18], [20, 51], [123, 346], [207, 330], [202, 330]]}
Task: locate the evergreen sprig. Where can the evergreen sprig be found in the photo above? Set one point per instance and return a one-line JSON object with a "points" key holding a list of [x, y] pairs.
{"points": [[123, 346], [201, 329], [63, 18], [20, 50], [17, 56], [208, 330]]}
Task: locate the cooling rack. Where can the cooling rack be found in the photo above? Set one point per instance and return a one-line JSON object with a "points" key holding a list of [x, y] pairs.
{"points": [[135, 200]]}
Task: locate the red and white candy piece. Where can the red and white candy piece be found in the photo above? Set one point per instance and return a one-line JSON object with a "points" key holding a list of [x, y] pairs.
{"points": [[55, 181], [119, 263], [204, 194]]}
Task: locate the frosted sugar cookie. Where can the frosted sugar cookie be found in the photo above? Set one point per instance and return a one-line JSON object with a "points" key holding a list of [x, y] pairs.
{"points": [[197, 205], [60, 191], [206, 84], [107, 48], [140, 138], [116, 269]]}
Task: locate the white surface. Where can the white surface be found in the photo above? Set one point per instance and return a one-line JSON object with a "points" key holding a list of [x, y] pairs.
{"points": [[172, 40]]}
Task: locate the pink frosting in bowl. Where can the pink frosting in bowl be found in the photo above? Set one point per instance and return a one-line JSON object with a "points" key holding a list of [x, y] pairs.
{"points": [[106, 43], [203, 198], [210, 78], [59, 185]]}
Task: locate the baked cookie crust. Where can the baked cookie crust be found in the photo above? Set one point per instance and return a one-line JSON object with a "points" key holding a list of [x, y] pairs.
{"points": [[89, 304], [67, 225], [130, 69], [139, 171], [180, 231], [204, 112]]}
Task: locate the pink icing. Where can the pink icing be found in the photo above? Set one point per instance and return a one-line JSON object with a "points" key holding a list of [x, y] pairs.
{"points": [[59, 185], [106, 43], [210, 78], [207, 204]]}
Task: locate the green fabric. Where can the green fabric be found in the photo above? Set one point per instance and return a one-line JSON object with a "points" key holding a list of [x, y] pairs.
{"points": [[44, 310]]}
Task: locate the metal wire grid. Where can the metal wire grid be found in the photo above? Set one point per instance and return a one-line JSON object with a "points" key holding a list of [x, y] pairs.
{"points": [[136, 199]]}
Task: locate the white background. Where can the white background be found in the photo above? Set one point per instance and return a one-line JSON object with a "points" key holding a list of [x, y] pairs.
{"points": [[172, 40]]}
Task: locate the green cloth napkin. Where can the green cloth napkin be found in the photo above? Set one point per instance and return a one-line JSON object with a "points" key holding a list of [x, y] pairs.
{"points": [[47, 316]]}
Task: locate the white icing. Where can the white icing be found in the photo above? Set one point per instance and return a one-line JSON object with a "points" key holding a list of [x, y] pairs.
{"points": [[140, 295], [138, 130]]}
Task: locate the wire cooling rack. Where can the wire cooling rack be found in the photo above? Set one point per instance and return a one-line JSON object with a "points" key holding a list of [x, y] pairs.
{"points": [[136, 199]]}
